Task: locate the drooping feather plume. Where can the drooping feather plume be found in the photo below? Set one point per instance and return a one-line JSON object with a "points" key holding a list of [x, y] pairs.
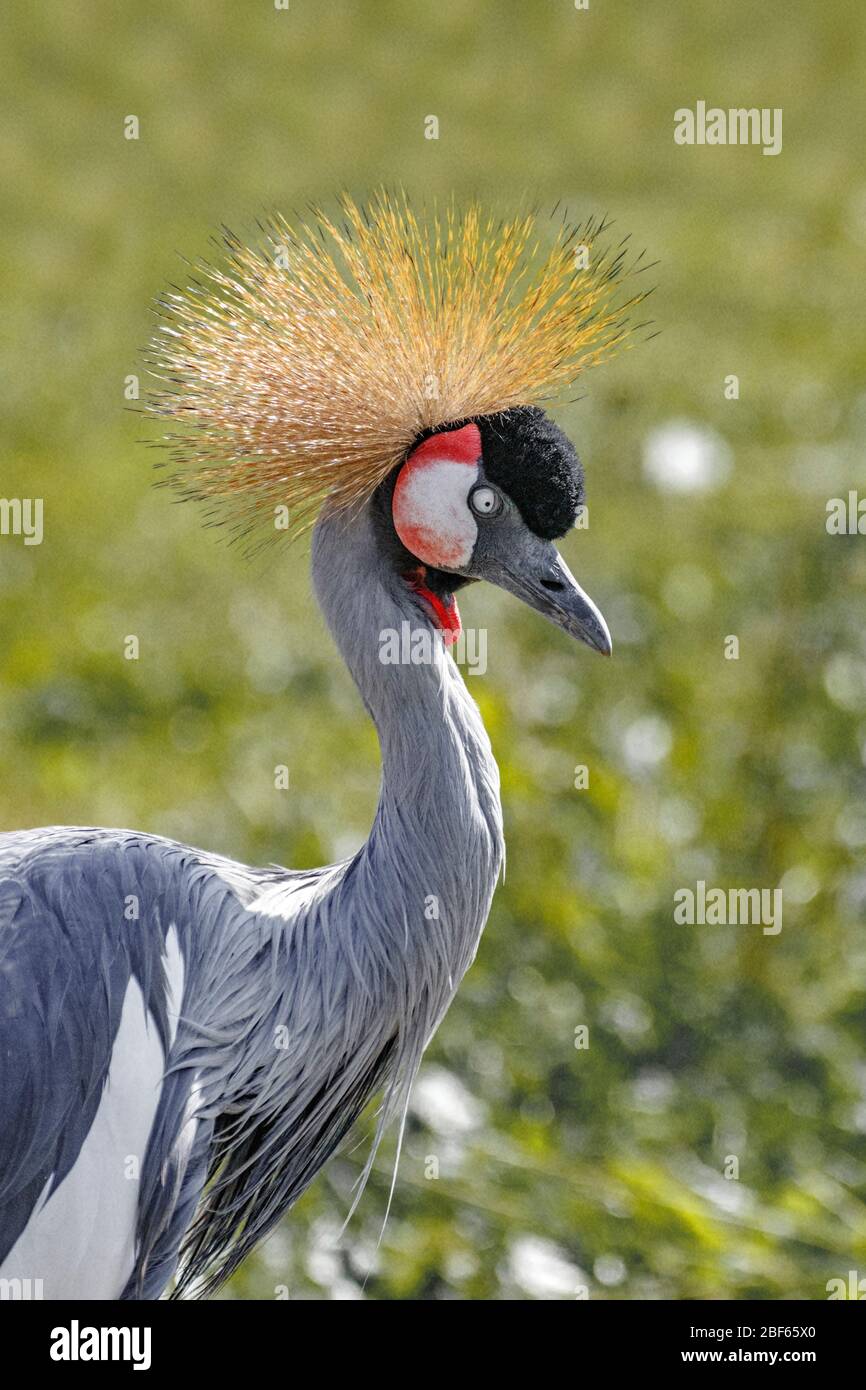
{"points": [[307, 365]]}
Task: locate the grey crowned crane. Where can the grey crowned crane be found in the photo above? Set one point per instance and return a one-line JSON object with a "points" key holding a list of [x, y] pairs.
{"points": [[185, 1040]]}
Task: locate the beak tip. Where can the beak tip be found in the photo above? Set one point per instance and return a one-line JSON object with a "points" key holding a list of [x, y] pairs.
{"points": [[600, 637]]}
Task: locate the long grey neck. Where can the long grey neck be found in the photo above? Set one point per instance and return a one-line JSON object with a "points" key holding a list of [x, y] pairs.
{"points": [[356, 963], [436, 844]]}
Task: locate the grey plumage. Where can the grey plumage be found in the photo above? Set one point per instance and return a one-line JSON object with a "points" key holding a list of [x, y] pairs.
{"points": [[184, 1040], [305, 992]]}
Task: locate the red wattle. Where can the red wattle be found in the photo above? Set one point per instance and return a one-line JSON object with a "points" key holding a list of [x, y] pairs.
{"points": [[445, 611]]}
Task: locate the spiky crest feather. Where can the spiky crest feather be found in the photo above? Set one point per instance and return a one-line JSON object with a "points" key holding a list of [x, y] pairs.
{"points": [[306, 367]]}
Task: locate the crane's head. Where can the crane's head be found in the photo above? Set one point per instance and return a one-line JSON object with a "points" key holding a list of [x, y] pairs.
{"points": [[398, 359], [486, 500]]}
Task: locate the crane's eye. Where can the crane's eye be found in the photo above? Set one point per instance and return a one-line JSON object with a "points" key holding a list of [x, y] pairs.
{"points": [[485, 501]]}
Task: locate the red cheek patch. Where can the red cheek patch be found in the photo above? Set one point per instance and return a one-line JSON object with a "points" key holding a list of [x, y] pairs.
{"points": [[430, 505], [457, 446]]}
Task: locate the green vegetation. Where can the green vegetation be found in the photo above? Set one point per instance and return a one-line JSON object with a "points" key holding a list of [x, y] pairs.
{"points": [[558, 1166]]}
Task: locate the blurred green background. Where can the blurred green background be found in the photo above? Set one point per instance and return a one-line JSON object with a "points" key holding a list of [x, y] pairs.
{"points": [[559, 1168]]}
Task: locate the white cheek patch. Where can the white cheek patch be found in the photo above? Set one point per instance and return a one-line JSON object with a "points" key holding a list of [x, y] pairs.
{"points": [[431, 511]]}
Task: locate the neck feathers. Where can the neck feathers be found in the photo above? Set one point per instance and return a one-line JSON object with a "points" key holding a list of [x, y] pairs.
{"points": [[420, 705], [356, 964], [437, 837]]}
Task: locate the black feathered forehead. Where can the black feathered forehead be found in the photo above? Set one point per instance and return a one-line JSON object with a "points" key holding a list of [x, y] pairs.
{"points": [[530, 458]]}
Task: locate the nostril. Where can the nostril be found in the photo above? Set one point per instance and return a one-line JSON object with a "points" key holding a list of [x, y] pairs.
{"points": [[555, 585]]}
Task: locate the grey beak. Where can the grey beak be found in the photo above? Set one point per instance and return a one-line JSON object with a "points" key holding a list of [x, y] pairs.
{"points": [[542, 579]]}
